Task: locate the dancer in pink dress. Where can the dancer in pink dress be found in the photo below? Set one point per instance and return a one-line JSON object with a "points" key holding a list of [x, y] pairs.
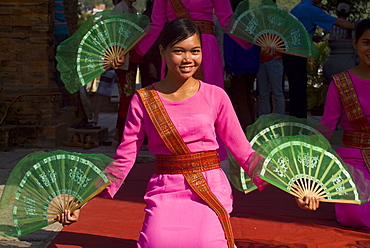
{"points": [[351, 88], [189, 198]]}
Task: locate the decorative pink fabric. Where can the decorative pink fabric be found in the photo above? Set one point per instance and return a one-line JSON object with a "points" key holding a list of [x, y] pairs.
{"points": [[347, 214], [175, 215]]}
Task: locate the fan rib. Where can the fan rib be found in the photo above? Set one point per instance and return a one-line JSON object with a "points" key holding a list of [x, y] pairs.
{"points": [[276, 176], [100, 189], [297, 191], [310, 166], [334, 176], [320, 162]]}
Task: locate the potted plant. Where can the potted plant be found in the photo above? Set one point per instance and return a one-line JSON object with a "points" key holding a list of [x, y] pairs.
{"points": [[316, 97], [316, 85]]}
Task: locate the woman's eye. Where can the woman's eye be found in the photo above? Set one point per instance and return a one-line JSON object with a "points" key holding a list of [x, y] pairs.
{"points": [[177, 51]]}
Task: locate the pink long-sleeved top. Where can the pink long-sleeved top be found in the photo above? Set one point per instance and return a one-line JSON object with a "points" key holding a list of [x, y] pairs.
{"points": [[197, 119]]}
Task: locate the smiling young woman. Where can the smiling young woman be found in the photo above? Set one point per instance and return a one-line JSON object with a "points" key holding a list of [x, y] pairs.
{"points": [[348, 102]]}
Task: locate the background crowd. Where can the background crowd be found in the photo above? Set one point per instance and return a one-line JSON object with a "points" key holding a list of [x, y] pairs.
{"points": [[261, 84]]}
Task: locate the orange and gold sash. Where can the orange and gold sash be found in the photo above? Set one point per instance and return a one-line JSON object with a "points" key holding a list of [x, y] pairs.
{"points": [[360, 137], [190, 162], [180, 9]]}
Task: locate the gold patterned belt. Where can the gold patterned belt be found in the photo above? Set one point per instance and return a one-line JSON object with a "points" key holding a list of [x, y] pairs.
{"points": [[187, 163], [356, 139], [206, 27]]}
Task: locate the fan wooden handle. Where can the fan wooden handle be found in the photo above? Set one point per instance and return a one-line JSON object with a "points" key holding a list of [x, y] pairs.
{"points": [[323, 199], [339, 201], [100, 189], [132, 45], [95, 193], [116, 51]]}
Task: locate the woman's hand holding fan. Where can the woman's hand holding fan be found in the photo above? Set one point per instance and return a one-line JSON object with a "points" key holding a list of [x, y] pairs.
{"points": [[117, 62], [68, 217], [308, 203]]}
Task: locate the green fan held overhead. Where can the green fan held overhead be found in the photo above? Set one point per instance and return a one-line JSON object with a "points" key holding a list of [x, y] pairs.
{"points": [[44, 184], [307, 166], [266, 128], [262, 23], [101, 38]]}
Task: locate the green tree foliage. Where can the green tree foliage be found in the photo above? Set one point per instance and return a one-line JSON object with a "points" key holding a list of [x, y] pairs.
{"points": [[90, 4], [287, 4]]}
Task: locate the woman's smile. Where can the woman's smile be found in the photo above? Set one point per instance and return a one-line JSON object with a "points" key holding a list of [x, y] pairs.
{"points": [[186, 68]]}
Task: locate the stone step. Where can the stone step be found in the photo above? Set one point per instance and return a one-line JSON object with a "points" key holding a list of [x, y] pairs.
{"points": [[96, 135]]}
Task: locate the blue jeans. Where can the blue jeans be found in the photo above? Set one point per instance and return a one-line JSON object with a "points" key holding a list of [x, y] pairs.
{"points": [[242, 92], [269, 78]]}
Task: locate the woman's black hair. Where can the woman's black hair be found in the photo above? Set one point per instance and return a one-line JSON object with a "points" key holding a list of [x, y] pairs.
{"points": [[361, 28], [178, 30]]}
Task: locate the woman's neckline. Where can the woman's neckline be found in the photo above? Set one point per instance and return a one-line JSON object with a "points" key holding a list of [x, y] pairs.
{"points": [[356, 76], [180, 101]]}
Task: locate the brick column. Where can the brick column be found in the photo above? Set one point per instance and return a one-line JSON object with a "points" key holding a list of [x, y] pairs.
{"points": [[29, 98]]}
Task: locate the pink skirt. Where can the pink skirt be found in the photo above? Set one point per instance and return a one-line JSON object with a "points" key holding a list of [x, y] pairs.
{"points": [[177, 217]]}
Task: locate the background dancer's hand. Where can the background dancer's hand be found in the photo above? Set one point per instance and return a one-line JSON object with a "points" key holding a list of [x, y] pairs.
{"points": [[268, 50], [118, 62], [308, 203]]}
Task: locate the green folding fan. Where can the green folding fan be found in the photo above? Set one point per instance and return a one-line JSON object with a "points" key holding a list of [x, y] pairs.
{"points": [[44, 184], [272, 126], [268, 127], [237, 176], [262, 23], [308, 166], [101, 38]]}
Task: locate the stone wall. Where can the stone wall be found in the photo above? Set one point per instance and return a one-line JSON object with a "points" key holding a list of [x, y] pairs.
{"points": [[70, 10], [30, 102]]}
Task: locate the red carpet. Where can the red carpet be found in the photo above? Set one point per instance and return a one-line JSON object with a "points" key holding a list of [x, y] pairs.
{"points": [[260, 219]]}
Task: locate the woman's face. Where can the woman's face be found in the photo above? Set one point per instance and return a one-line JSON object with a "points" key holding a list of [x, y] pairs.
{"points": [[362, 45], [183, 58]]}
